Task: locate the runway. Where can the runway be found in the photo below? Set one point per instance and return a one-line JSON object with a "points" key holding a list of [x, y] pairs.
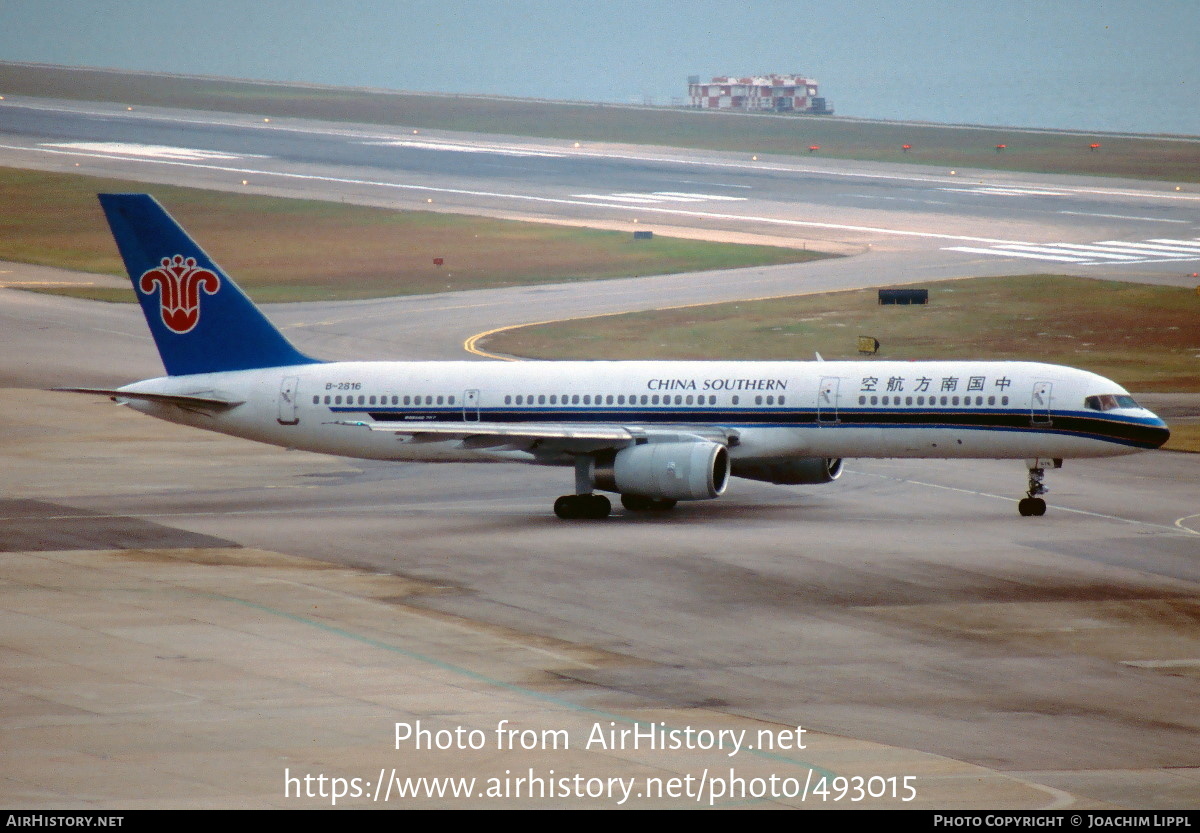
{"points": [[905, 607], [846, 205]]}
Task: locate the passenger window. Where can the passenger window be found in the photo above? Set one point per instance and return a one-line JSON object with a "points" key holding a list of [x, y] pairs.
{"points": [[541, 399], [874, 400], [736, 400], [862, 400]]}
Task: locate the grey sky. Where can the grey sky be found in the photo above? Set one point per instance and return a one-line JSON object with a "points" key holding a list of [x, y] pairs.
{"points": [[1100, 65]]}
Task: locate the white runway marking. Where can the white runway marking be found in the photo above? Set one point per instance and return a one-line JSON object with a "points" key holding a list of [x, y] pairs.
{"points": [[1158, 250], [529, 198], [1124, 217], [659, 197], [999, 191], [152, 151], [455, 147], [716, 164], [1149, 524]]}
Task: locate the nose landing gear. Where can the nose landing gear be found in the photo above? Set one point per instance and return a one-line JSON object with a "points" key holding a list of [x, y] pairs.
{"points": [[1033, 505]]}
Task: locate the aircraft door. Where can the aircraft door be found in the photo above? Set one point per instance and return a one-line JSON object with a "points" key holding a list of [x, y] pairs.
{"points": [[827, 400], [1039, 404], [471, 405], [288, 414]]}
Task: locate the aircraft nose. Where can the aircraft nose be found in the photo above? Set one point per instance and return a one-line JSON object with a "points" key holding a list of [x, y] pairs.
{"points": [[1157, 432]]}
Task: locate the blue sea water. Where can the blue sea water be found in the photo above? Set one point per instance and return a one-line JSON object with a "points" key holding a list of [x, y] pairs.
{"points": [[1097, 65]]}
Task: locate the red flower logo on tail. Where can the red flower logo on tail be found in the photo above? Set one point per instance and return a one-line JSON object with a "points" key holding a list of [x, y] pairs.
{"points": [[180, 282]]}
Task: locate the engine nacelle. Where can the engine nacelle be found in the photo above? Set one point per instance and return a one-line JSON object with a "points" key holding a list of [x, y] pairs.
{"points": [[807, 470], [696, 470]]}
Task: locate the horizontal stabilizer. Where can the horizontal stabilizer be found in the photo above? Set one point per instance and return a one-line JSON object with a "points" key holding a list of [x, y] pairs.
{"points": [[189, 401]]}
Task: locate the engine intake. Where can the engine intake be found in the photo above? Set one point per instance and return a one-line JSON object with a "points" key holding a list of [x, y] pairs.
{"points": [[673, 470]]}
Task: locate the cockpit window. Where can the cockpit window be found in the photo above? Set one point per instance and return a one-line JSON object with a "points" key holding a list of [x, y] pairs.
{"points": [[1109, 401]]}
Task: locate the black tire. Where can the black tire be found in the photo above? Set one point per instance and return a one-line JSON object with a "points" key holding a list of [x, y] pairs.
{"points": [[1031, 507], [575, 507], [636, 503], [596, 506], [641, 503]]}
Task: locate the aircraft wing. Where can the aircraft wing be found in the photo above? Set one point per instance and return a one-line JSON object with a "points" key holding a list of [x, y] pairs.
{"points": [[565, 435]]}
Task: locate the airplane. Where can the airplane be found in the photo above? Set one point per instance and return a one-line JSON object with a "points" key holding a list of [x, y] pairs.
{"points": [[654, 432]]}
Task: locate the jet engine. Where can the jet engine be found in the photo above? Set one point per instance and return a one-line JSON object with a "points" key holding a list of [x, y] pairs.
{"points": [[807, 470], [697, 470]]}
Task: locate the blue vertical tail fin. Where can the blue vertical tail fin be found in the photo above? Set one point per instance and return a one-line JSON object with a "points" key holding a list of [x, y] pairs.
{"points": [[201, 320]]}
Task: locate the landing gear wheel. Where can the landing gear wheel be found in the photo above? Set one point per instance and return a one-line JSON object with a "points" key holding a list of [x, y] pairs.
{"points": [[1032, 507], [574, 507], [641, 503]]}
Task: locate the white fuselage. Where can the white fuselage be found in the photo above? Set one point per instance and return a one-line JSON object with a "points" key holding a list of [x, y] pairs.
{"points": [[776, 410]]}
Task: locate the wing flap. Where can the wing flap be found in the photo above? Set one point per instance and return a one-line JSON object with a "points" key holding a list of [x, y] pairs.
{"points": [[504, 431], [547, 437]]}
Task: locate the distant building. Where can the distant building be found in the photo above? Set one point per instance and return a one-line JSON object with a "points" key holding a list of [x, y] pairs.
{"points": [[773, 93]]}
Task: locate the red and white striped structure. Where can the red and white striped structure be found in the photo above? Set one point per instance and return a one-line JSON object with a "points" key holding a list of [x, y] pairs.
{"points": [[786, 93]]}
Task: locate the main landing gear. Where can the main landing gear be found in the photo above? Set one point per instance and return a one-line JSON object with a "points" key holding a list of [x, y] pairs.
{"points": [[1033, 505], [594, 507], [583, 504]]}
